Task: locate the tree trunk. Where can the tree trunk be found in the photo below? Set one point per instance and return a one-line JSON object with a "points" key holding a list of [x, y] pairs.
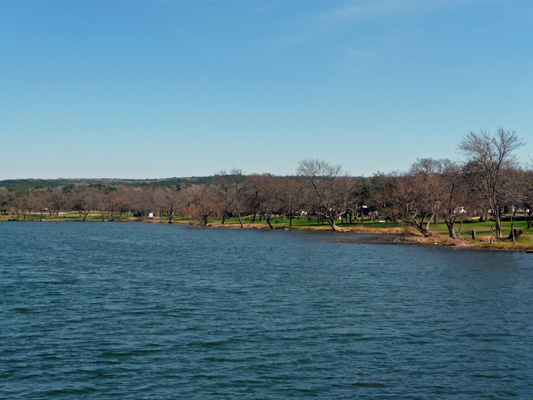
{"points": [[492, 229], [331, 222], [498, 222], [431, 218], [240, 221], [267, 217], [419, 226], [422, 230], [513, 236], [451, 231]]}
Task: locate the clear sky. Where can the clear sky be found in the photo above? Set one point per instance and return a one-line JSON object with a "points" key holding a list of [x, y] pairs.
{"points": [[155, 89]]}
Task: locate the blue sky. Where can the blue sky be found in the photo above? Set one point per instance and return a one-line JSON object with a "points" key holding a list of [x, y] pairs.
{"points": [[154, 89]]}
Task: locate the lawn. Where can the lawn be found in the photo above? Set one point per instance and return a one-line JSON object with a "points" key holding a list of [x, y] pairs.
{"points": [[439, 229]]}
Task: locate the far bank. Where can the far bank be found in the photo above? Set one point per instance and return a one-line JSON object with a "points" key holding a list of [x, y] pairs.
{"points": [[472, 234]]}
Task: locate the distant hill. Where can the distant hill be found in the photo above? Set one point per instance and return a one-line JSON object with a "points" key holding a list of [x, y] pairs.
{"points": [[52, 183]]}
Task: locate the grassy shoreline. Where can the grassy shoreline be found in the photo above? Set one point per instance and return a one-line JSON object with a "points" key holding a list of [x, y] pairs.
{"points": [[387, 233], [390, 234]]}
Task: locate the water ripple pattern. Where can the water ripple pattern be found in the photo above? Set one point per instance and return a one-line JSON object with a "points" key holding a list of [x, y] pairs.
{"points": [[148, 311]]}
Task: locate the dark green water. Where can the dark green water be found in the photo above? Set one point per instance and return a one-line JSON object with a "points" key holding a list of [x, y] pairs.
{"points": [[145, 311]]}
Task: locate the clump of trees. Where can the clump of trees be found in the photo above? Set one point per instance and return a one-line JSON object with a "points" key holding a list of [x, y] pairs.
{"points": [[488, 183], [493, 172]]}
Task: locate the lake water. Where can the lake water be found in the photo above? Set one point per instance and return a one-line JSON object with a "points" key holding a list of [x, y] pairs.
{"points": [[150, 311]]}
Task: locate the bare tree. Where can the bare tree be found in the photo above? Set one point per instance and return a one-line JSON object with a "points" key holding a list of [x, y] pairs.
{"points": [[265, 192], [141, 200], [528, 198], [85, 199], [455, 197], [37, 201], [363, 191], [56, 200], [238, 194], [516, 181], [228, 191], [117, 201], [487, 156], [199, 204], [9, 202], [329, 191], [443, 190], [170, 200], [402, 199], [14, 201], [291, 197]]}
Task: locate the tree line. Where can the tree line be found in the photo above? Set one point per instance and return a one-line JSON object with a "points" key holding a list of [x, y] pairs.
{"points": [[488, 183]]}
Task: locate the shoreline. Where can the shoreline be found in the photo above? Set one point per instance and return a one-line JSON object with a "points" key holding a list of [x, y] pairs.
{"points": [[398, 236], [385, 235]]}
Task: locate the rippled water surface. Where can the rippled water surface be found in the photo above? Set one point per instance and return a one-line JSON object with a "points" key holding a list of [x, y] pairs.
{"points": [[146, 311]]}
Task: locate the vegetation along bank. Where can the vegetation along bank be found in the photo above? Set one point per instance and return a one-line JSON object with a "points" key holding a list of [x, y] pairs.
{"points": [[484, 201]]}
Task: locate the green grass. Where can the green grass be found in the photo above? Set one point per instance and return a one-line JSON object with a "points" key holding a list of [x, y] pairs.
{"points": [[301, 222], [483, 232], [481, 228]]}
